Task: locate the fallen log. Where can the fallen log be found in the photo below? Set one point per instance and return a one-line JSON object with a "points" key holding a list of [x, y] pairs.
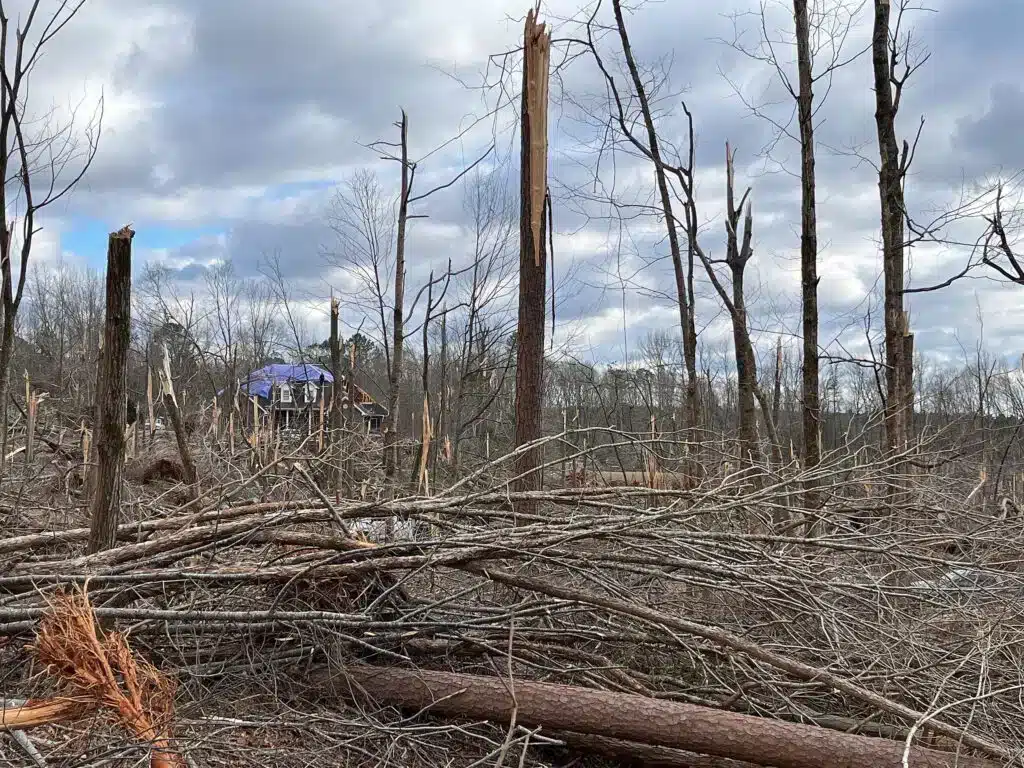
{"points": [[630, 754], [628, 717], [33, 714]]}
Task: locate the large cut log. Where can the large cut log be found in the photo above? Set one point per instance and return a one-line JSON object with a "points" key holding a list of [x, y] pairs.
{"points": [[630, 717]]}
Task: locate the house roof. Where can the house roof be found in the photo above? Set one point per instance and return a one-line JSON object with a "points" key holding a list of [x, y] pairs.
{"points": [[260, 382], [371, 409]]}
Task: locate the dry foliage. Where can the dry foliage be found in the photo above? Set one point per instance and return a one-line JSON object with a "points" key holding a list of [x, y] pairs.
{"points": [[98, 668]]}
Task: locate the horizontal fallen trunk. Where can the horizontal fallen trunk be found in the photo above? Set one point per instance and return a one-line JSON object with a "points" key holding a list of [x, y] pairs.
{"points": [[633, 718], [631, 754], [33, 714]]}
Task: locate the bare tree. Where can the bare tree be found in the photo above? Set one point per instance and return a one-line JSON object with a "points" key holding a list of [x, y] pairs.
{"points": [[45, 159], [808, 241], [366, 223], [485, 292], [888, 53], [645, 139]]}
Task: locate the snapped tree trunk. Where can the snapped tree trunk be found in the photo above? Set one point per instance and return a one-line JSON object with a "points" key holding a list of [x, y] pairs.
{"points": [[811, 411], [111, 394], [532, 253], [633, 718], [890, 190], [738, 252], [174, 414]]}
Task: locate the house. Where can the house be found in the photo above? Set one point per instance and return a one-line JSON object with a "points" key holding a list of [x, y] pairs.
{"points": [[293, 393], [373, 413]]}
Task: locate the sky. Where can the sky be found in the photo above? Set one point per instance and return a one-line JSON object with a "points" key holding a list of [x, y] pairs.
{"points": [[229, 125]]}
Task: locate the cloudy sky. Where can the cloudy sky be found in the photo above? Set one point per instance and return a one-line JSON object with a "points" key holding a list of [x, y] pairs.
{"points": [[229, 124]]}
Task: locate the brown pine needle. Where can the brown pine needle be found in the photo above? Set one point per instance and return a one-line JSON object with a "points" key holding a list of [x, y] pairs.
{"points": [[99, 668]]}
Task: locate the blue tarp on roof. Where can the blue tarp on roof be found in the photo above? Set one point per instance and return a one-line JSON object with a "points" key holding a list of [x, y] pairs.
{"points": [[261, 381]]}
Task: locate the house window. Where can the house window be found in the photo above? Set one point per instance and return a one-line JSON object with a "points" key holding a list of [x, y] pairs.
{"points": [[286, 393], [311, 392]]}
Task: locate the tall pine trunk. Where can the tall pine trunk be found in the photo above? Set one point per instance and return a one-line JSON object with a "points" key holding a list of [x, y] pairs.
{"points": [[811, 412], [398, 319]]}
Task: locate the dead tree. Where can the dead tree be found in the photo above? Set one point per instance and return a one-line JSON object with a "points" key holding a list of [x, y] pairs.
{"points": [[360, 219], [891, 173], [811, 406], [532, 252], [651, 147], [398, 319], [111, 395], [634, 718]]}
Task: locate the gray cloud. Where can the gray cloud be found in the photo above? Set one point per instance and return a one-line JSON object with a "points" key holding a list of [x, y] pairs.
{"points": [[238, 99]]}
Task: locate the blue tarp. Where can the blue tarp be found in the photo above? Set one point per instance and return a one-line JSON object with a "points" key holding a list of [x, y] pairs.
{"points": [[260, 382]]}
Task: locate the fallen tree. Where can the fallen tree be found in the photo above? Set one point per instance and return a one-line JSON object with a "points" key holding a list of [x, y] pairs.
{"points": [[633, 718]]}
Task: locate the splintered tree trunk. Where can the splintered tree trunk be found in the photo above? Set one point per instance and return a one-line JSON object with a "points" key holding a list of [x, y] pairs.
{"points": [[337, 394], [907, 380], [111, 395], [633, 718], [398, 321], [174, 414], [811, 416], [738, 253], [891, 197], [532, 253]]}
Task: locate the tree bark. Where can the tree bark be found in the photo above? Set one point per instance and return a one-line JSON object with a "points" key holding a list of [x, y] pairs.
{"points": [[112, 394], [337, 394], [532, 254], [738, 252], [634, 718], [398, 321], [811, 412], [890, 192]]}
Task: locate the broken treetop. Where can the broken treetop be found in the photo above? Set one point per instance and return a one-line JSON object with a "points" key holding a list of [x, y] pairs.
{"points": [[261, 382]]}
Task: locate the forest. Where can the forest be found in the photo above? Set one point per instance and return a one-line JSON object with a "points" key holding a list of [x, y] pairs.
{"points": [[410, 519]]}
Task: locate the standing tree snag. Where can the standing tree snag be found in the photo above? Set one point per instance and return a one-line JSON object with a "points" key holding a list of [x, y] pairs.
{"points": [[532, 250], [174, 414], [111, 394], [890, 190], [738, 253], [336, 441], [31, 146], [811, 411], [398, 320]]}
